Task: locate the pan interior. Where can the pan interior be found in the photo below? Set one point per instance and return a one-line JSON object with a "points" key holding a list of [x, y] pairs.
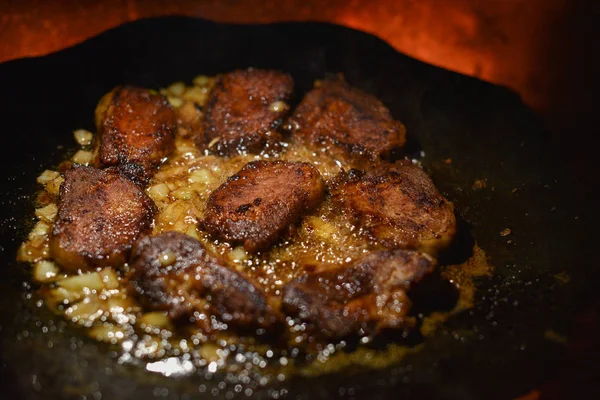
{"points": [[510, 341]]}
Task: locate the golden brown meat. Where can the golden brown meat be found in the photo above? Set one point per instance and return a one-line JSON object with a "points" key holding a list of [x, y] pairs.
{"points": [[398, 206], [262, 201], [136, 130], [347, 121], [244, 110], [173, 272], [362, 298], [100, 215]]}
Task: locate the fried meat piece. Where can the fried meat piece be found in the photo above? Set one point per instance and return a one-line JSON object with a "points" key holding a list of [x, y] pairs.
{"points": [[100, 215], [244, 110], [135, 131], [363, 298], [397, 205], [173, 271], [345, 120], [260, 202]]}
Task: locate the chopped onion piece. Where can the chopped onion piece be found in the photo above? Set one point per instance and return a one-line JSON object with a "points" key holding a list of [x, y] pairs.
{"points": [[32, 251], [201, 175], [322, 229], [167, 258], [185, 146], [47, 213], [182, 193], [120, 303], [196, 95], [86, 311], [192, 232], [176, 88], [83, 157], [107, 333], [40, 229], [159, 191], [62, 295], [209, 351], [201, 80], [47, 176], [53, 187], [79, 283], [175, 101], [238, 254], [83, 137], [154, 320], [180, 226], [109, 278], [175, 211], [45, 271], [278, 106]]}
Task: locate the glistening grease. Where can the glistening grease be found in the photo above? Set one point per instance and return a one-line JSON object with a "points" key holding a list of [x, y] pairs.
{"points": [[102, 304]]}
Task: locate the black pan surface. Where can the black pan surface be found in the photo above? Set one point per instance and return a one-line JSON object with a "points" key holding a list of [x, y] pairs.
{"points": [[498, 350]]}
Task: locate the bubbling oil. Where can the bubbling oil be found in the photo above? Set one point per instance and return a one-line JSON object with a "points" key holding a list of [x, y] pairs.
{"points": [[99, 303]]}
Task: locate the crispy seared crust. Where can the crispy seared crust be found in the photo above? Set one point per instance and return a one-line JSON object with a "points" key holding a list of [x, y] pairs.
{"points": [[196, 281], [136, 130], [398, 206], [239, 111], [100, 214], [366, 296], [347, 121], [260, 202], [105, 218]]}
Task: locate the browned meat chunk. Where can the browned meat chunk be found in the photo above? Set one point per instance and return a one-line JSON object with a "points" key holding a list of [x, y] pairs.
{"points": [[100, 215], [346, 121], [136, 131], [244, 110], [363, 298], [262, 201], [398, 206], [173, 271]]}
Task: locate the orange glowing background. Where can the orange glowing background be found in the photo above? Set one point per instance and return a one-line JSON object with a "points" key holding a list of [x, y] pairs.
{"points": [[521, 44]]}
